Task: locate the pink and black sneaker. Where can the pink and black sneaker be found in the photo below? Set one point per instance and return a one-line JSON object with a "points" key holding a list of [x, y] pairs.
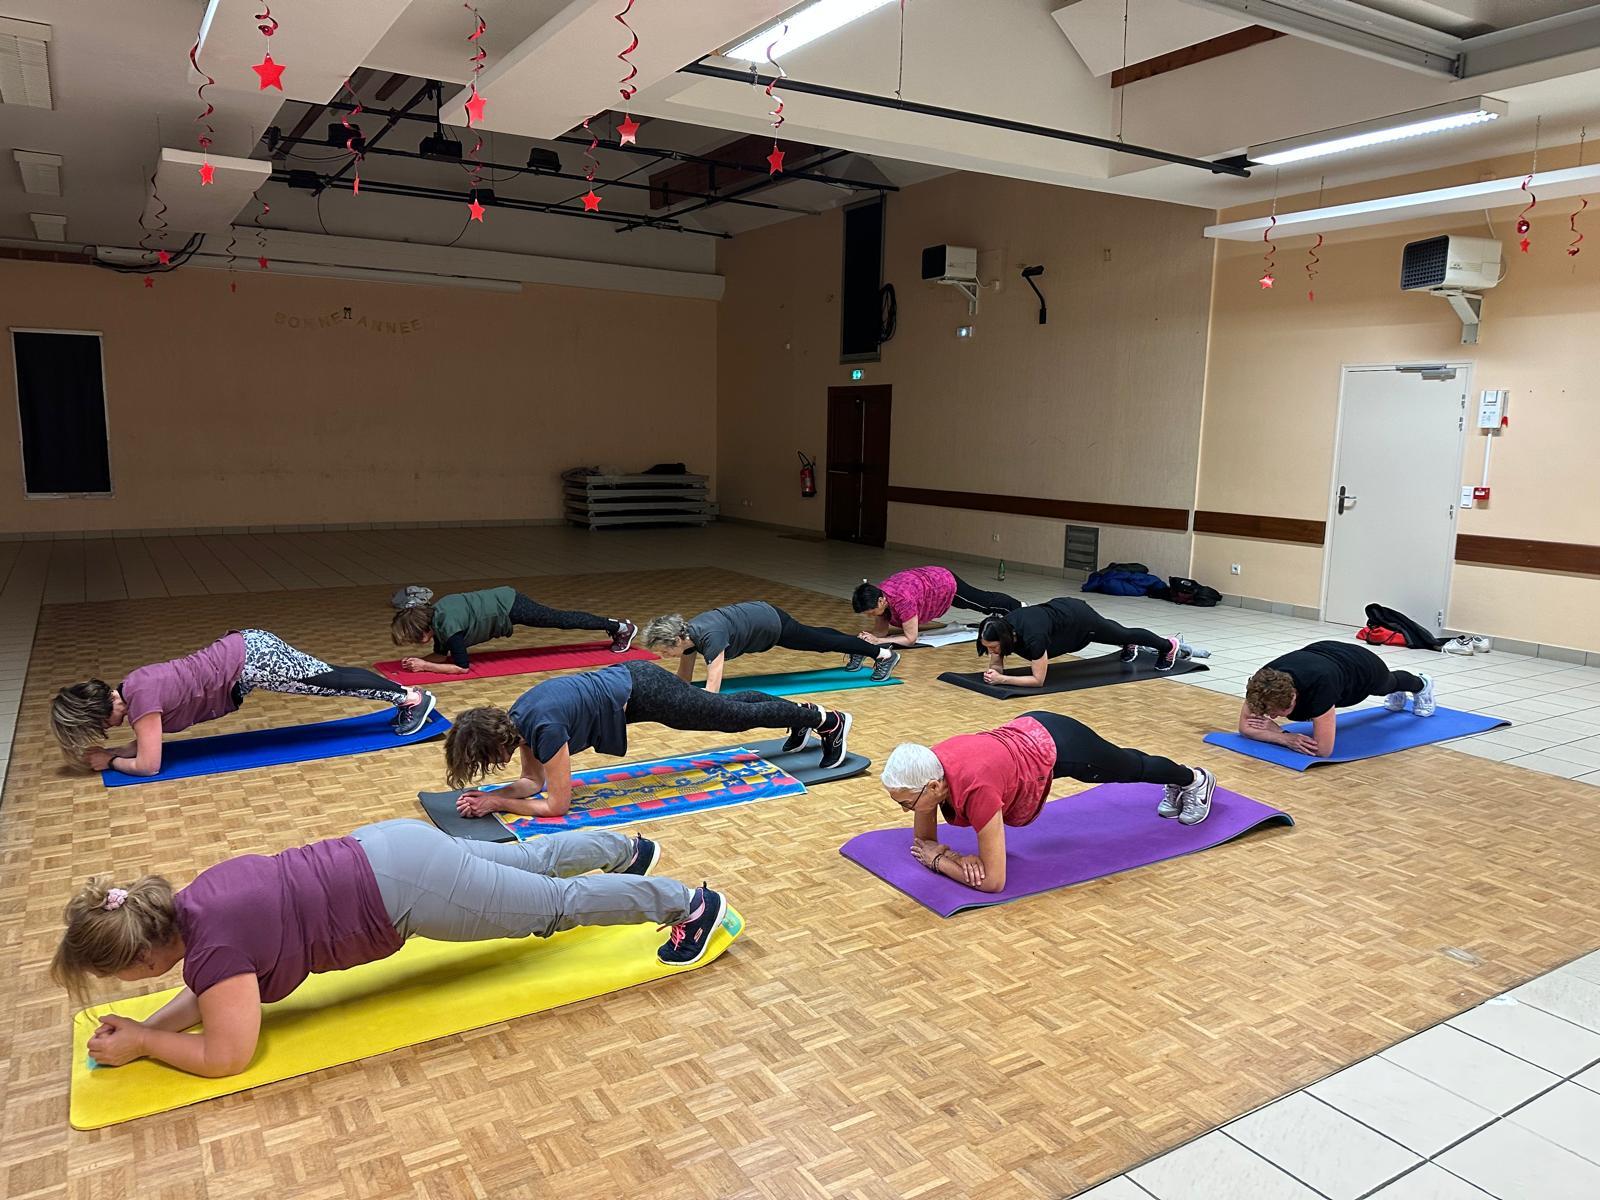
{"points": [[691, 938]]}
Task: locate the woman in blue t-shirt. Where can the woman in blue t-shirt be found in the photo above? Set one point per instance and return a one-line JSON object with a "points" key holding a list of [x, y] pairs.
{"points": [[250, 929]]}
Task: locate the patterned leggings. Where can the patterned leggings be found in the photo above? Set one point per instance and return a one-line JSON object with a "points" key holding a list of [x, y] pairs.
{"points": [[273, 665]]}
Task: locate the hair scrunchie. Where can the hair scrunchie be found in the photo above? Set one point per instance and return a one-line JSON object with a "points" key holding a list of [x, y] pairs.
{"points": [[115, 897]]}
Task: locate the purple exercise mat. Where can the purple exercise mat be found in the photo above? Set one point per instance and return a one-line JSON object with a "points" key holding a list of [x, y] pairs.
{"points": [[1099, 832]]}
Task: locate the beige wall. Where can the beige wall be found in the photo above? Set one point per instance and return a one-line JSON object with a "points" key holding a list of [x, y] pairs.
{"points": [[1102, 404], [1272, 401], [223, 414]]}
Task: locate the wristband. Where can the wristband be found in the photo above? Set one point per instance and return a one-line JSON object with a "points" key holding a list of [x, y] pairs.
{"points": [[934, 865]]}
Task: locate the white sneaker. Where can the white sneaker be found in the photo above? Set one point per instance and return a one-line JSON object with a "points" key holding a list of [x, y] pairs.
{"points": [[1396, 701], [1481, 645], [1424, 704], [1459, 645]]}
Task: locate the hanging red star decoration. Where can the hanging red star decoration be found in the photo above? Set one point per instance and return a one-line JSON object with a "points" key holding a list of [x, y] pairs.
{"points": [[775, 159], [163, 257], [207, 173], [262, 262], [1266, 281], [628, 131], [475, 209], [591, 202], [148, 282], [474, 107], [270, 74]]}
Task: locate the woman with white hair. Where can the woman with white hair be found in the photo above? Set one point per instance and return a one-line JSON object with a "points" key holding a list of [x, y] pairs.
{"points": [[986, 781]]}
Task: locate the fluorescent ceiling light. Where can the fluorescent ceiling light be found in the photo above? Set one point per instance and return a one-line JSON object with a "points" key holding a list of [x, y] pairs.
{"points": [[806, 24], [1457, 114], [48, 227], [24, 65], [41, 173]]}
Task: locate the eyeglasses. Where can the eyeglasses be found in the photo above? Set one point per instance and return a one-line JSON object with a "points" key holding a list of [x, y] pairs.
{"points": [[908, 805]]}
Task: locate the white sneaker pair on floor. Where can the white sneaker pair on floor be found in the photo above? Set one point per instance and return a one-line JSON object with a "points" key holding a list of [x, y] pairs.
{"points": [[1467, 645]]}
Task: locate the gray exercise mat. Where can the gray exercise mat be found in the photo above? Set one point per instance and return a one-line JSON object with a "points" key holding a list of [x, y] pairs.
{"points": [[1075, 676]]}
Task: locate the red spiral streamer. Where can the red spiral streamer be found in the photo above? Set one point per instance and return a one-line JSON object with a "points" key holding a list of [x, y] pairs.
{"points": [[475, 105], [625, 86], [1267, 278], [593, 164], [233, 239], [261, 237], [351, 132], [775, 159], [200, 92], [1312, 262], [1575, 246], [269, 23], [1523, 224], [158, 215]]}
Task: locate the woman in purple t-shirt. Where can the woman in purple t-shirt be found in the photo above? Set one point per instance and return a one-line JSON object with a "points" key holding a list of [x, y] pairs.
{"points": [[250, 929], [909, 599], [171, 696]]}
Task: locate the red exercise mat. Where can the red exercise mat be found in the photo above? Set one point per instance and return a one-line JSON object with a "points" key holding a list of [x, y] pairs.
{"points": [[492, 663]]}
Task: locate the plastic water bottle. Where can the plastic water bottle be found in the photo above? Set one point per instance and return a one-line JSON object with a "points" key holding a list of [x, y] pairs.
{"points": [[1001, 573]]}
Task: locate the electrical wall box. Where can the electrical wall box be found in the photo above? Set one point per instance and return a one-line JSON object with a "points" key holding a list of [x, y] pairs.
{"points": [[1447, 261], [1492, 409], [950, 264]]}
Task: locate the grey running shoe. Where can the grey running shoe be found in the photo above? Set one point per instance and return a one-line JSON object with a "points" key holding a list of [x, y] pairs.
{"points": [[885, 666], [1197, 798], [1424, 705], [855, 662], [1396, 701], [410, 718], [1171, 801]]}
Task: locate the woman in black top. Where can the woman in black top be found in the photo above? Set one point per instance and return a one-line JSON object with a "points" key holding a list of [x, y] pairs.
{"points": [[1313, 683], [1039, 632]]}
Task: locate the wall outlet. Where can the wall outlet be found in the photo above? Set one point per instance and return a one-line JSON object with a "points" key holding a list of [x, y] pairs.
{"points": [[744, 503], [1233, 569], [994, 537]]}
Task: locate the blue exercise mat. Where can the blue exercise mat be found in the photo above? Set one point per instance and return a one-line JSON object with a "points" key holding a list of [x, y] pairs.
{"points": [[1365, 733], [796, 683], [277, 747]]}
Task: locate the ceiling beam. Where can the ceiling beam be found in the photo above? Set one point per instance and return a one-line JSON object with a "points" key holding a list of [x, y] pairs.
{"points": [[1346, 25], [1175, 60], [1535, 41]]}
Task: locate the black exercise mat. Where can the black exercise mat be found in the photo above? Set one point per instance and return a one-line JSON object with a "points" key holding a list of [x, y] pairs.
{"points": [[801, 765], [1076, 676]]}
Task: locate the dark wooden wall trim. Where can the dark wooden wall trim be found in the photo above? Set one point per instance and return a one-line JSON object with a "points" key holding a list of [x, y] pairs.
{"points": [[1571, 557], [1250, 35], [1248, 525], [1136, 515]]}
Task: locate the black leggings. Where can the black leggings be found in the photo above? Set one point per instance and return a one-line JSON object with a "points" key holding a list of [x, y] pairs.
{"points": [[996, 604], [660, 696], [794, 636], [1083, 754], [1084, 625], [525, 611], [1399, 681]]}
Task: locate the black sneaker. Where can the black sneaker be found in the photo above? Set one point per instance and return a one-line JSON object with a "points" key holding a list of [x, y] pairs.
{"points": [[835, 742], [645, 856], [622, 639], [798, 735], [410, 718], [885, 666], [691, 939], [1168, 658], [1129, 653], [855, 662]]}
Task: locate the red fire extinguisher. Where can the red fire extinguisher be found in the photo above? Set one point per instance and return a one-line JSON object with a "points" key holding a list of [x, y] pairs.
{"points": [[808, 475]]}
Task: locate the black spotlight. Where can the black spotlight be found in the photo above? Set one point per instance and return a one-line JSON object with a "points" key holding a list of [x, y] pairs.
{"points": [[436, 145], [485, 197], [540, 159], [338, 135], [305, 181]]}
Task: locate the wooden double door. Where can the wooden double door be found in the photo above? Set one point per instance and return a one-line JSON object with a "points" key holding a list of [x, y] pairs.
{"points": [[858, 464]]}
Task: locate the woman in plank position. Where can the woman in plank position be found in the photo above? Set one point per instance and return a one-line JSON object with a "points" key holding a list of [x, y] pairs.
{"points": [[750, 628], [1065, 625], [456, 622], [1001, 777], [171, 696], [1313, 683], [567, 715], [906, 600], [250, 929]]}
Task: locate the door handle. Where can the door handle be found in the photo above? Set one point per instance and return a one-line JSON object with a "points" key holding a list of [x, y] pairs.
{"points": [[1346, 500]]}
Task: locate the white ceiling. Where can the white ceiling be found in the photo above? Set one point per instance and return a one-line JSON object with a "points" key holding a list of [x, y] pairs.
{"points": [[124, 91]]}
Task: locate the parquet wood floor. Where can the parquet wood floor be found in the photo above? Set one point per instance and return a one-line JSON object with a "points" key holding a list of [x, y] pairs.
{"points": [[852, 1044]]}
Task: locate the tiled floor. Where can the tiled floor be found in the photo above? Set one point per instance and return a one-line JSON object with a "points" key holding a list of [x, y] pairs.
{"points": [[1502, 1102]]}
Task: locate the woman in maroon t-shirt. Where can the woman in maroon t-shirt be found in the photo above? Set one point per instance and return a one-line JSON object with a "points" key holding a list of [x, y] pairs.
{"points": [[986, 781], [250, 929], [171, 696]]}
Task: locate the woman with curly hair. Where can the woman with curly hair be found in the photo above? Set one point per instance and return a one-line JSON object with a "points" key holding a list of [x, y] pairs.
{"points": [[1313, 683]]}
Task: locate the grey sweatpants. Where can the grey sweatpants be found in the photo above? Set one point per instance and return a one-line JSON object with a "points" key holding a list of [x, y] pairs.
{"points": [[455, 890]]}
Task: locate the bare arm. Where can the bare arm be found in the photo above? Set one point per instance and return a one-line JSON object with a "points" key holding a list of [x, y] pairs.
{"points": [[434, 664], [925, 826], [544, 790], [714, 673], [179, 1013], [906, 637], [984, 871], [1323, 729], [230, 1012], [147, 744], [1264, 729], [1038, 669]]}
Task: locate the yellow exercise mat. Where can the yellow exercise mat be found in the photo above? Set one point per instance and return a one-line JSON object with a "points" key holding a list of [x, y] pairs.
{"points": [[428, 990]]}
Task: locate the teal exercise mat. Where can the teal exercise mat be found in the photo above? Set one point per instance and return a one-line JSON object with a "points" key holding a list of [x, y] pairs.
{"points": [[796, 683]]}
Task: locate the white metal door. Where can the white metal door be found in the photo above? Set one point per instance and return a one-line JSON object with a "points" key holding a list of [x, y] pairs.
{"points": [[1397, 479]]}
